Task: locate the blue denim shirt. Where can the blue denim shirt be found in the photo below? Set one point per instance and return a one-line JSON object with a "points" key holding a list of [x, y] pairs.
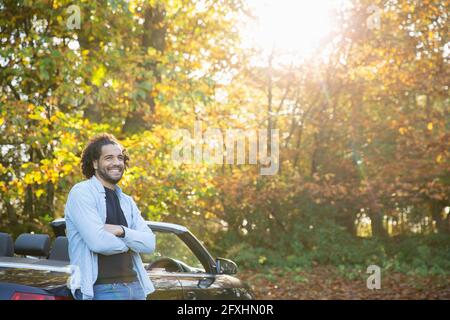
{"points": [[85, 215]]}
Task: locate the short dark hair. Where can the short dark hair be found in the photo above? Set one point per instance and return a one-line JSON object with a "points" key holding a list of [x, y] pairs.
{"points": [[93, 150]]}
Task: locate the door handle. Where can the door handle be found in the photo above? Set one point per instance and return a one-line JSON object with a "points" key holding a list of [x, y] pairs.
{"points": [[191, 295]]}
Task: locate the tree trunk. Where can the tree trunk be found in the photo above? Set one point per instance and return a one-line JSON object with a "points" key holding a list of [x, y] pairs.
{"points": [[92, 111], [154, 37], [436, 208], [28, 207], [378, 229], [11, 211], [49, 200]]}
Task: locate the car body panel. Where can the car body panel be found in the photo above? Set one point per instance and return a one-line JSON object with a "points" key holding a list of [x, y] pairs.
{"points": [[167, 286]]}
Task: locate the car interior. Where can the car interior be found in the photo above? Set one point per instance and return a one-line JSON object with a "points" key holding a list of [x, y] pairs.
{"points": [[171, 255], [34, 246]]}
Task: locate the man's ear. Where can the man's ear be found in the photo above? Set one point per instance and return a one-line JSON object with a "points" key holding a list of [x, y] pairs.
{"points": [[95, 163]]}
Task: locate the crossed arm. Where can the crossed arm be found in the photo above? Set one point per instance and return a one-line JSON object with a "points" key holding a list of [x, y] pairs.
{"points": [[103, 238], [116, 230]]}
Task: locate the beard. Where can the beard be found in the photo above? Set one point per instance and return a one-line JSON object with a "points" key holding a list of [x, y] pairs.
{"points": [[110, 177]]}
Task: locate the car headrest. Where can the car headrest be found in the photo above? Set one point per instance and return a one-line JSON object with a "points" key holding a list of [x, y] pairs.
{"points": [[60, 250], [32, 244], [6, 245], [59, 227]]}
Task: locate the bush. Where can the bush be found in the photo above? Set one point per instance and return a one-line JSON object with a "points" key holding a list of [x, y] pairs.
{"points": [[328, 245], [314, 238]]}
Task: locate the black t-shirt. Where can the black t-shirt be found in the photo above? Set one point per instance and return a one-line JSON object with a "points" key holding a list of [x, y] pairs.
{"points": [[118, 267]]}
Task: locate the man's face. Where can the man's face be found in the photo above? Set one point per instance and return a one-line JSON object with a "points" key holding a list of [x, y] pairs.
{"points": [[110, 166]]}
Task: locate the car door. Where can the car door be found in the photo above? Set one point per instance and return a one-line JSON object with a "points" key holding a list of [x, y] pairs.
{"points": [[166, 283], [167, 286], [204, 286]]}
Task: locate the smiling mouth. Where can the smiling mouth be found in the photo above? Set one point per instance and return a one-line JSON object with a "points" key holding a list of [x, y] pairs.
{"points": [[116, 171]]}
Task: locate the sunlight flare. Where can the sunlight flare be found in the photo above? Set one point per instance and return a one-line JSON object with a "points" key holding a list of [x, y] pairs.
{"points": [[290, 26]]}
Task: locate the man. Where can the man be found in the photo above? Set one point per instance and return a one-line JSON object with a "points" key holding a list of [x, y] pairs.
{"points": [[105, 229]]}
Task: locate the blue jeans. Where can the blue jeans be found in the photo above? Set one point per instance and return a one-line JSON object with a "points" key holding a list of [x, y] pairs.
{"points": [[116, 291]]}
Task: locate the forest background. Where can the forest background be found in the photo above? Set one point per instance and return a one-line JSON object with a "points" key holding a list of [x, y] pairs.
{"points": [[363, 122]]}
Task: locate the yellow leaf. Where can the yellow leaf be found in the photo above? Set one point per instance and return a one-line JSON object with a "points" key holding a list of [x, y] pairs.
{"points": [[98, 75], [402, 130], [67, 168], [439, 158], [39, 192], [28, 179], [26, 165], [430, 126]]}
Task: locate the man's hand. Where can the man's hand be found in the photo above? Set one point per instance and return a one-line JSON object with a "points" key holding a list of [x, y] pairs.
{"points": [[114, 229]]}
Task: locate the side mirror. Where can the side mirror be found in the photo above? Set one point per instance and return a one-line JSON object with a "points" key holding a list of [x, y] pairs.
{"points": [[226, 266]]}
